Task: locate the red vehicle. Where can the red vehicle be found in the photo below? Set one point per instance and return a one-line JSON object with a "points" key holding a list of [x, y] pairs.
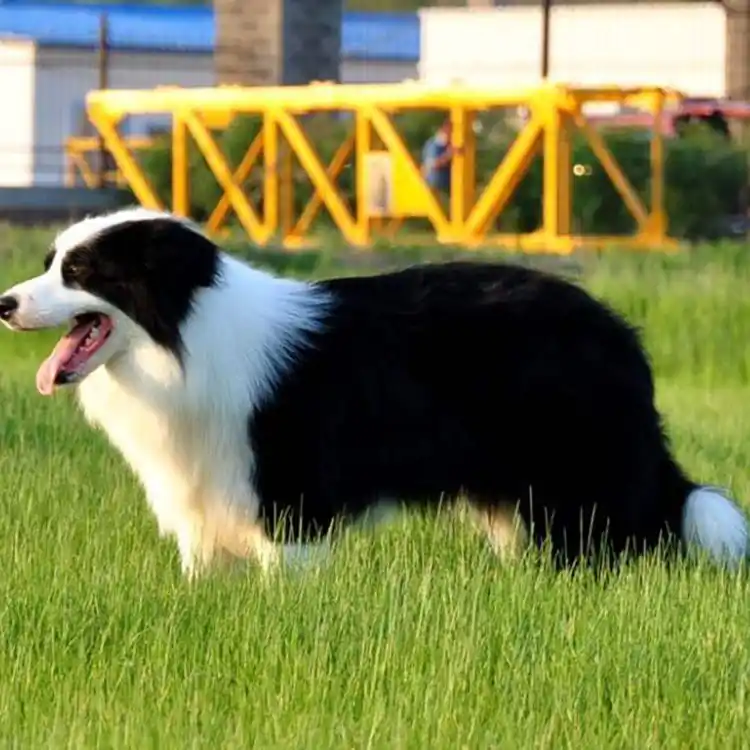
{"points": [[717, 113]]}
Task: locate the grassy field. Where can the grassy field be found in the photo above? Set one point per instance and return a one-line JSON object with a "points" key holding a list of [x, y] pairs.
{"points": [[409, 640]]}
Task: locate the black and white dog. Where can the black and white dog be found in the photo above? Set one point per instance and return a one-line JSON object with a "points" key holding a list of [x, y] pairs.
{"points": [[242, 399]]}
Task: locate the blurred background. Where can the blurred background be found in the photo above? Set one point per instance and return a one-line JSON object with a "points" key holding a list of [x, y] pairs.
{"points": [[52, 54]]}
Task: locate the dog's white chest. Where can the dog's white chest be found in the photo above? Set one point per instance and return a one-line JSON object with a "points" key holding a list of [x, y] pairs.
{"points": [[190, 463]]}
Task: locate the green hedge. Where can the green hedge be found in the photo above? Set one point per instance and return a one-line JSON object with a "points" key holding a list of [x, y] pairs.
{"points": [[706, 175]]}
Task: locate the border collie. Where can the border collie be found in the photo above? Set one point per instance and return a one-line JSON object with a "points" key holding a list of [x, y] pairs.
{"points": [[245, 402]]}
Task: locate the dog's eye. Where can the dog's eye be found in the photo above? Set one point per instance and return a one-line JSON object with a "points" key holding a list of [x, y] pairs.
{"points": [[72, 270]]}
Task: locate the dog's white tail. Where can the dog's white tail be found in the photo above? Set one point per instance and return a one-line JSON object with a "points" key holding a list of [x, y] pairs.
{"points": [[713, 523]]}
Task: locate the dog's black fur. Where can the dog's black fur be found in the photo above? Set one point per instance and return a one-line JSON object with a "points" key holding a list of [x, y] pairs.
{"points": [[497, 381]]}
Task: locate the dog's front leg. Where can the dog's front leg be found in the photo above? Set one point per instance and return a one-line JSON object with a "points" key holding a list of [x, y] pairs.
{"points": [[197, 546]]}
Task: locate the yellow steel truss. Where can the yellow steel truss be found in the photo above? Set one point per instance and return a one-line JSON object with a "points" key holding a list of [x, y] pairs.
{"points": [[78, 151], [377, 150]]}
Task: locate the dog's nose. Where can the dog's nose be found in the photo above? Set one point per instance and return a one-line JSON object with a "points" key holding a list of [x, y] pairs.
{"points": [[8, 305]]}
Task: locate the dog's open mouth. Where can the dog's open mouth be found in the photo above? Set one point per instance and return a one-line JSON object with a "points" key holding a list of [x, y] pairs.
{"points": [[89, 333]]}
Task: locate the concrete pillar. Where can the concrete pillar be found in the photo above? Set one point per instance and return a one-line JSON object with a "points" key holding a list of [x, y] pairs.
{"points": [[737, 72], [738, 50], [268, 42]]}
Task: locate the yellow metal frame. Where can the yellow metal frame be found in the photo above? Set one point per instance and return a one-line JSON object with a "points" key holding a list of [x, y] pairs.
{"points": [[78, 151], [554, 111]]}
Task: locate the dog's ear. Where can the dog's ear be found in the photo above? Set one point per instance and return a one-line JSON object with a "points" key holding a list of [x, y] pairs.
{"points": [[48, 258], [151, 251], [149, 269], [167, 243]]}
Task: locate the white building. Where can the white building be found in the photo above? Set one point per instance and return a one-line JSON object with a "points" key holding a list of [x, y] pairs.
{"points": [[48, 86], [682, 45], [49, 61]]}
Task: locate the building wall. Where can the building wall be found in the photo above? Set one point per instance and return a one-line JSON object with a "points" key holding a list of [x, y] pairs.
{"points": [[738, 49], [268, 42], [64, 77], [17, 74], [680, 45], [377, 71]]}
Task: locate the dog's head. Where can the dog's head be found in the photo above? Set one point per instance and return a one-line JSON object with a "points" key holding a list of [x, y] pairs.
{"points": [[113, 279]]}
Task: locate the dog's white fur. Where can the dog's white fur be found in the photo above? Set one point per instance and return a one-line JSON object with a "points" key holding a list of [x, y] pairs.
{"points": [[184, 437], [714, 525]]}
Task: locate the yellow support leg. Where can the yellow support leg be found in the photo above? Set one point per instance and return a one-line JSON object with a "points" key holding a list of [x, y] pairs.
{"points": [[309, 161], [504, 182], [612, 168], [334, 169], [180, 168], [556, 206], [463, 166], [131, 171], [224, 176], [363, 146], [286, 189], [395, 145], [271, 169], [219, 214], [657, 222]]}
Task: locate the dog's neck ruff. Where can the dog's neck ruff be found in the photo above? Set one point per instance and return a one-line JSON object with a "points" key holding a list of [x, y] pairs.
{"points": [[239, 338], [182, 422]]}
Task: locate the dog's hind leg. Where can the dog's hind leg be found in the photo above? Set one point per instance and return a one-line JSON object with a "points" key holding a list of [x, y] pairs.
{"points": [[245, 539], [505, 528]]}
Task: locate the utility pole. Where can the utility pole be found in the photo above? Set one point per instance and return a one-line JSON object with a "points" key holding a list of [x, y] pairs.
{"points": [[103, 84], [546, 7]]}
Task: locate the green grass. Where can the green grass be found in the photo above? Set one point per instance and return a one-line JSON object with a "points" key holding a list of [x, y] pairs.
{"points": [[415, 637]]}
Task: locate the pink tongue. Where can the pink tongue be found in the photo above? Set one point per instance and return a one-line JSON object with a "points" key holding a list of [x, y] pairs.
{"points": [[61, 354]]}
